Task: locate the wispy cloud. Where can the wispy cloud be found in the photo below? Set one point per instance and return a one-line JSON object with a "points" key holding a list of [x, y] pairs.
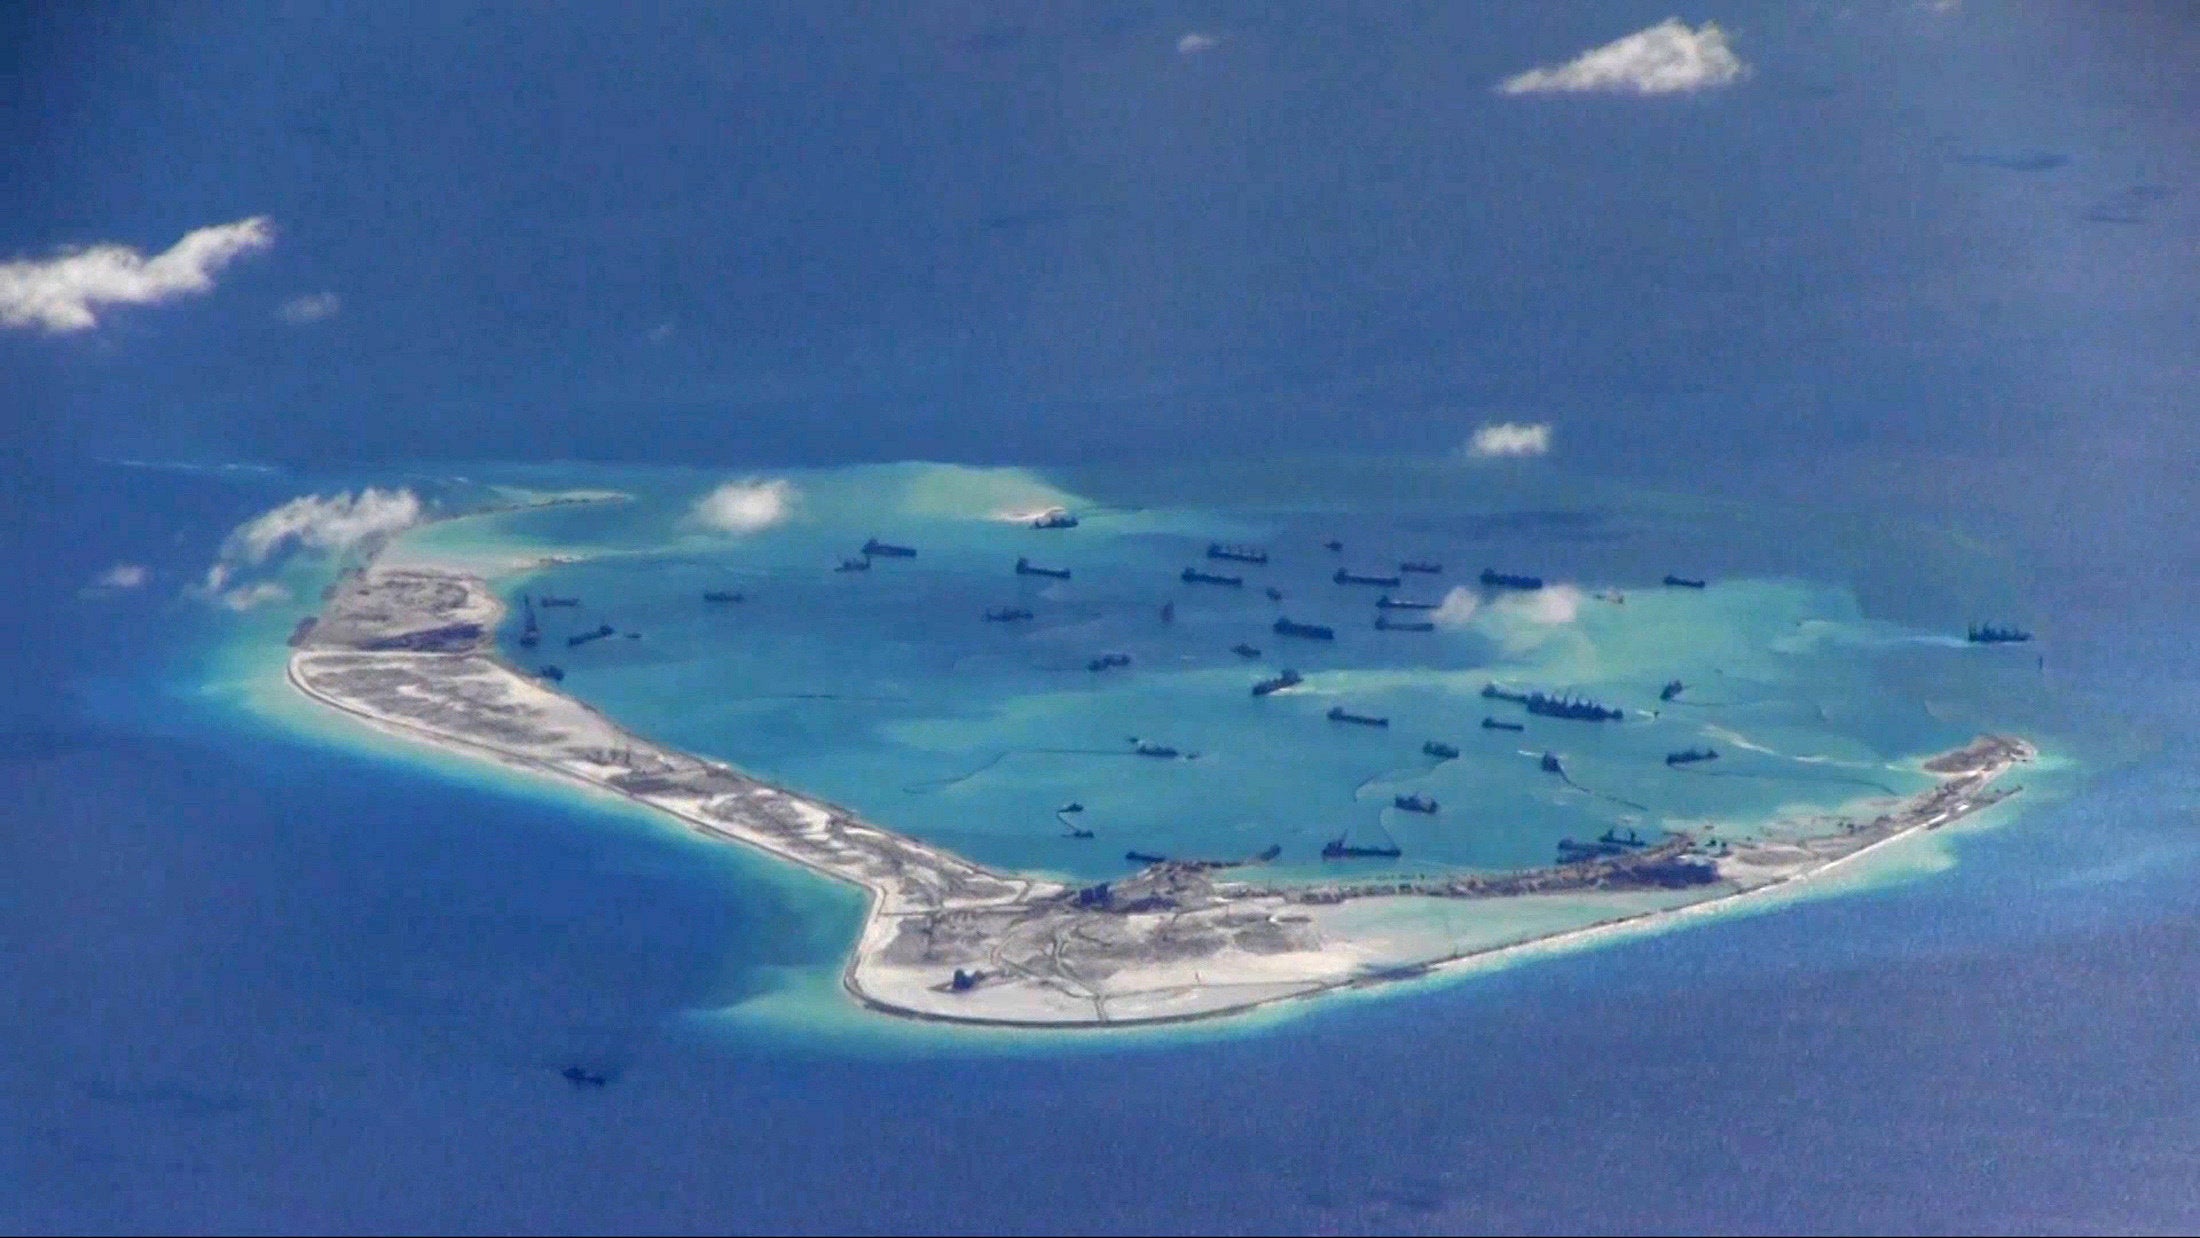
{"points": [[122, 576], [1552, 604], [1668, 58], [1506, 439], [1458, 608], [1196, 42], [61, 293], [312, 307], [746, 506], [312, 525]]}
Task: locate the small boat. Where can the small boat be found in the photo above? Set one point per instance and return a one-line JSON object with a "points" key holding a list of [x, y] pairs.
{"points": [[1344, 577], [854, 565], [1149, 749], [547, 600], [1059, 518], [723, 595], [1682, 582], [1072, 806], [1337, 849], [584, 1078], [1268, 853], [1333, 546], [1440, 750], [1672, 688], [1236, 554], [1108, 661], [1245, 651], [1168, 612], [1689, 756], [1025, 567], [1007, 614], [1413, 803], [1145, 857], [1079, 833], [1493, 724], [1274, 594], [1384, 623], [1423, 567], [1550, 764], [1193, 576], [555, 674]]}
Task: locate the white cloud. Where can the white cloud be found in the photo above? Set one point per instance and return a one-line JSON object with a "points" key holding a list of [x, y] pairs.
{"points": [[246, 597], [312, 307], [1458, 608], [59, 293], [322, 526], [122, 576], [1668, 58], [1194, 43], [1552, 604], [746, 506], [311, 525], [1508, 439]]}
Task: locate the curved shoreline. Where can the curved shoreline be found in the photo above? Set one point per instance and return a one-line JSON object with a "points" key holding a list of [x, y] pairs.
{"points": [[407, 651]]}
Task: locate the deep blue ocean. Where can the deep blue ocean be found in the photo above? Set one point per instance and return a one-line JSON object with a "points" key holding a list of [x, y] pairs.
{"points": [[1904, 316]]}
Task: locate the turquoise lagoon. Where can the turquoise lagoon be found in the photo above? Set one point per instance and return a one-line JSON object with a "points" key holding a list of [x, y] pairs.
{"points": [[1816, 663]]}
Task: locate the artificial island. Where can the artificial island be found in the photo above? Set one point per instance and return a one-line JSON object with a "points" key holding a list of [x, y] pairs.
{"points": [[410, 650]]}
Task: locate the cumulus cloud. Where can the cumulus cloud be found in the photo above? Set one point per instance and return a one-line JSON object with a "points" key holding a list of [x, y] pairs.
{"points": [[1503, 439], [1196, 42], [60, 293], [1552, 604], [1457, 609], [1667, 58], [309, 525], [122, 576], [312, 307], [247, 597], [746, 506]]}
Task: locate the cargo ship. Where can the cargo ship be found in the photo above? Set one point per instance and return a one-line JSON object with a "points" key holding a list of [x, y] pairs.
{"points": [[854, 565], [1988, 634], [1145, 857], [1193, 576], [1387, 602], [1338, 713], [585, 637], [530, 634], [1436, 748], [1337, 849], [1108, 661], [1025, 567], [1274, 594], [1422, 566], [1689, 756], [1056, 519], [1344, 577], [1413, 803], [1492, 724], [1506, 580], [1236, 554], [1672, 688], [1245, 651], [1384, 623], [1288, 678], [1168, 612], [1309, 631], [1333, 546], [548, 600], [1579, 709], [1007, 614], [1682, 582], [553, 673], [876, 549], [1146, 748], [723, 595]]}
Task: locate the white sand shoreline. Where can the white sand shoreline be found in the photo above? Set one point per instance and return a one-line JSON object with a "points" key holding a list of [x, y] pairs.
{"points": [[405, 651]]}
